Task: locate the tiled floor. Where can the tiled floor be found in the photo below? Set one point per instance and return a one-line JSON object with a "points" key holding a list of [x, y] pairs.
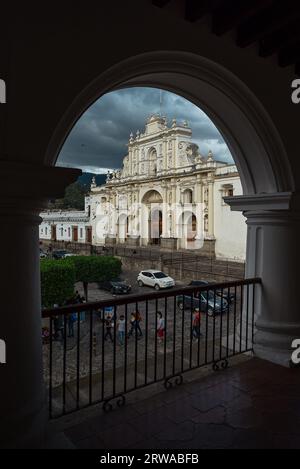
{"points": [[255, 404]]}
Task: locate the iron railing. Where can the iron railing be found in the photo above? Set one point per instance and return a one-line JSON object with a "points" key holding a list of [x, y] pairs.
{"points": [[82, 368]]}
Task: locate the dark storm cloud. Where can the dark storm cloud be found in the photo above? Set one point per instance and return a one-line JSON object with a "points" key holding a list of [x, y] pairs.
{"points": [[98, 140]]}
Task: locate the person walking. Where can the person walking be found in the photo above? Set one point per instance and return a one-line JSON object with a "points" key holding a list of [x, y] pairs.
{"points": [[160, 326], [132, 324], [71, 320], [121, 329], [138, 319], [196, 324], [108, 326]]}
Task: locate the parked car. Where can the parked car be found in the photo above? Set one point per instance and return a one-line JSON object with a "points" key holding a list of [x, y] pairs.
{"points": [[206, 301], [61, 254], [228, 295], [155, 278], [116, 287], [43, 254]]}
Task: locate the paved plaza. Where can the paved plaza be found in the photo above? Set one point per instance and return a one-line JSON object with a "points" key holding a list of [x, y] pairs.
{"points": [[141, 360]]}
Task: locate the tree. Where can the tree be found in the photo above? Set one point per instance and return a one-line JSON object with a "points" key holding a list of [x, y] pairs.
{"points": [[73, 198], [57, 281], [94, 269]]}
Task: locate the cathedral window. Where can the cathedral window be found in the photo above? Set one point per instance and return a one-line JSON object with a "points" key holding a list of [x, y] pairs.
{"points": [[227, 190]]}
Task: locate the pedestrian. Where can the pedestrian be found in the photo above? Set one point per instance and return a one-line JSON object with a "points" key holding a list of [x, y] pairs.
{"points": [[121, 329], [71, 319], [132, 324], [138, 319], [160, 326], [108, 326], [58, 324], [196, 320]]}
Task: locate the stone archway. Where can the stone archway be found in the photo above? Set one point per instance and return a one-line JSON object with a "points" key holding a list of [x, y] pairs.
{"points": [[244, 124], [259, 153]]}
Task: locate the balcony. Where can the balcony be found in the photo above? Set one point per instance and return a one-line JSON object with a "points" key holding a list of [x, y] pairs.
{"points": [[88, 364]]}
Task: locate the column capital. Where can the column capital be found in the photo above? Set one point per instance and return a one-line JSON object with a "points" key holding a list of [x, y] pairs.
{"points": [[264, 202], [34, 181], [25, 189]]}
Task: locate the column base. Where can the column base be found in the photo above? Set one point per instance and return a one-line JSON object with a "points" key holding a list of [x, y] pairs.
{"points": [[27, 431], [168, 243], [132, 240], [208, 248], [273, 341]]}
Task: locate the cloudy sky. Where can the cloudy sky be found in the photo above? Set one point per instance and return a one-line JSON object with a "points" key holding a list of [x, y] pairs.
{"points": [[98, 141]]}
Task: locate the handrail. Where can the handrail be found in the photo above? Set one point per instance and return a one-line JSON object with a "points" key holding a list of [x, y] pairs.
{"points": [[136, 298]]}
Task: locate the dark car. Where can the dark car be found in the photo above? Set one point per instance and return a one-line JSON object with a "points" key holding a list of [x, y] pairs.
{"points": [[206, 301], [229, 296], [116, 287], [62, 254]]}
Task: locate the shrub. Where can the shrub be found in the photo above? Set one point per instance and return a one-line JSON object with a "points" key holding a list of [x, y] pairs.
{"points": [[57, 281], [94, 268]]}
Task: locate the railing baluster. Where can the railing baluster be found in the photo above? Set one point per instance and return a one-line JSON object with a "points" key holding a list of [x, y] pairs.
{"points": [[227, 325], [247, 316], [214, 324], [206, 328], [174, 335], [241, 317], [102, 356], [146, 343], [234, 319], [165, 337], [114, 350], [155, 342], [78, 361], [221, 324], [50, 366], [182, 332], [91, 357], [125, 348], [135, 346], [191, 331], [253, 315], [64, 362]]}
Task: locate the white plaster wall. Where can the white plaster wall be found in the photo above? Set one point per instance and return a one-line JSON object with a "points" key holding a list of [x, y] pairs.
{"points": [[230, 228]]}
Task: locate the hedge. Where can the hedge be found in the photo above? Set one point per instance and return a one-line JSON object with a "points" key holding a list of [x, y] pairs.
{"points": [[94, 268], [57, 281]]}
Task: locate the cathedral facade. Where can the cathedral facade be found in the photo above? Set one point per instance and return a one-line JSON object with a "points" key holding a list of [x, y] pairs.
{"points": [[166, 194]]}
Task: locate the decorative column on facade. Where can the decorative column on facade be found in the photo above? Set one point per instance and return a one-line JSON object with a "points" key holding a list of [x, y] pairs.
{"points": [[210, 205], [164, 210], [22, 397], [273, 255], [199, 207]]}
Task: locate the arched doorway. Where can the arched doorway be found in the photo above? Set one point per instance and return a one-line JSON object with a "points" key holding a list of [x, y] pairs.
{"points": [[153, 200], [187, 230], [123, 227]]}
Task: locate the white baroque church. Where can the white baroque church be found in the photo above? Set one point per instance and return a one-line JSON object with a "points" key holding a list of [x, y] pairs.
{"points": [[166, 194]]}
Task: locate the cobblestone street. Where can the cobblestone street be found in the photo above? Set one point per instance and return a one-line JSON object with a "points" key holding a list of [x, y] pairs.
{"points": [[140, 360]]}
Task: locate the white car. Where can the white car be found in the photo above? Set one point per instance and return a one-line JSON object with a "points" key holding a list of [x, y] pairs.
{"points": [[155, 278]]}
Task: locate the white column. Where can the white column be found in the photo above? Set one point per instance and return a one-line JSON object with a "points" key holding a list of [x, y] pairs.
{"points": [[24, 189], [165, 228], [210, 183], [273, 255]]}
